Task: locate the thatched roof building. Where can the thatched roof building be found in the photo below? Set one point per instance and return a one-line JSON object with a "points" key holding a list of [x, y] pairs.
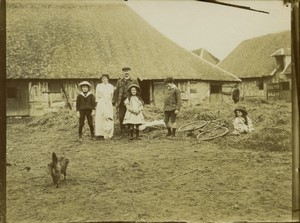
{"points": [[264, 65], [204, 54], [252, 58], [82, 39]]}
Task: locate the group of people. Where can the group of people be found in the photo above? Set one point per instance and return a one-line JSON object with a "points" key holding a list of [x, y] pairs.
{"points": [[126, 97]]}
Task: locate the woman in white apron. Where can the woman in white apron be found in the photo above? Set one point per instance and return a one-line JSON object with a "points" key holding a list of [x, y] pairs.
{"points": [[104, 123]]}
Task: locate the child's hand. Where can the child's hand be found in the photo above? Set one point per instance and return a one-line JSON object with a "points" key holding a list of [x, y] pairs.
{"points": [[93, 113], [78, 114], [176, 112]]}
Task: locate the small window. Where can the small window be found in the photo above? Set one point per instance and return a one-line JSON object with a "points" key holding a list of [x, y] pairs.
{"points": [[215, 89], [193, 91], [11, 92], [285, 86]]}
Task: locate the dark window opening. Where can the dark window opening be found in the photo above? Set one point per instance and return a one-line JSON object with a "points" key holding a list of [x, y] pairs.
{"points": [[285, 86], [215, 89], [260, 85], [54, 87], [145, 91], [12, 92]]}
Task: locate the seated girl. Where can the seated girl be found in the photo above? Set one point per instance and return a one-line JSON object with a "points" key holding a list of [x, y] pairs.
{"points": [[242, 123]]}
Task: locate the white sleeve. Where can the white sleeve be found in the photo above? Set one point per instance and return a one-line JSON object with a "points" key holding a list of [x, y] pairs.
{"points": [[97, 92]]}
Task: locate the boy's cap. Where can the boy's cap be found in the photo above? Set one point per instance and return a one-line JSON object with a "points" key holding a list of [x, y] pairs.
{"points": [[133, 85], [126, 68], [84, 83], [241, 109], [169, 80]]}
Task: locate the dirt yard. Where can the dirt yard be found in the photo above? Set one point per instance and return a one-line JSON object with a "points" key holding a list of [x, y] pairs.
{"points": [[233, 178]]}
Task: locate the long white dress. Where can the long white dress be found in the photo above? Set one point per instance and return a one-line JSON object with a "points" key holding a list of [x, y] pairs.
{"points": [[104, 122]]}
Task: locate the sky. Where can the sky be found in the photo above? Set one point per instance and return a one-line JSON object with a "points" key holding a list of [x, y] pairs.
{"points": [[216, 28]]}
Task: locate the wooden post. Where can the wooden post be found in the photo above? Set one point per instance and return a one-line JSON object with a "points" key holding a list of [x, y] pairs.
{"points": [[3, 111], [188, 90], [295, 109]]}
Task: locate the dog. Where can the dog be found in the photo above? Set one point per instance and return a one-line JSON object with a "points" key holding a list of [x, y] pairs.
{"points": [[108, 128], [57, 167]]}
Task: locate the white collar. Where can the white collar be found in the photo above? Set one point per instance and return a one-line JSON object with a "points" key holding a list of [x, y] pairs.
{"points": [[87, 94]]}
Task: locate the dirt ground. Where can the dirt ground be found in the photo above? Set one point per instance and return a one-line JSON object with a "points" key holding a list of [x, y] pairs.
{"points": [[233, 178]]}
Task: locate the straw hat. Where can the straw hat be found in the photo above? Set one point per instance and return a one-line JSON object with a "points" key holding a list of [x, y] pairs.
{"points": [[134, 85], [241, 109], [84, 83]]}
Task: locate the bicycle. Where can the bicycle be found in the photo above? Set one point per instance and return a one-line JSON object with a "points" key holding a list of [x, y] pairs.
{"points": [[205, 130]]}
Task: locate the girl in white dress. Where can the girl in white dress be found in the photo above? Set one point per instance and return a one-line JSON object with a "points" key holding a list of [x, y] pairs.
{"points": [[242, 123], [104, 123], [134, 105]]}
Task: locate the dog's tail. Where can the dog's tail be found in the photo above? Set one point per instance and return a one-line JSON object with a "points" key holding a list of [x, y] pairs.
{"points": [[54, 158]]}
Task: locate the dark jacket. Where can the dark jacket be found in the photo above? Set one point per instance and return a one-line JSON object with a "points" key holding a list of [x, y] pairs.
{"points": [[172, 100], [236, 95], [120, 93], [85, 102]]}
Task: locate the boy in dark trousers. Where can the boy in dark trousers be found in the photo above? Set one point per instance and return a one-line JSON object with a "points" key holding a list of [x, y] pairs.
{"points": [[172, 105], [85, 107]]}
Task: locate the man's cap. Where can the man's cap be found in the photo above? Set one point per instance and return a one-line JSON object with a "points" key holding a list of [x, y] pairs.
{"points": [[169, 80], [126, 68]]}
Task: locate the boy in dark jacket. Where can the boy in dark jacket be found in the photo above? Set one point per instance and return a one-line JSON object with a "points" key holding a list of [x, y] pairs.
{"points": [[172, 105], [85, 107], [235, 94]]}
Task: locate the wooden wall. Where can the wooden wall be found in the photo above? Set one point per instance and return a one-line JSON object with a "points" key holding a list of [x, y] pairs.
{"points": [[17, 99]]}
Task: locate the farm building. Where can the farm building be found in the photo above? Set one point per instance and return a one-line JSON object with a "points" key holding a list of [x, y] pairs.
{"points": [[264, 66], [205, 55], [51, 47]]}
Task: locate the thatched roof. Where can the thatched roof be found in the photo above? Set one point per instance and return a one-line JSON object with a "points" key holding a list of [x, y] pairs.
{"points": [[252, 58], [204, 54], [83, 39]]}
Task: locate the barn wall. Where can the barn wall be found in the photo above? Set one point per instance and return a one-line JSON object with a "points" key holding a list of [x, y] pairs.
{"points": [[192, 92], [250, 88], [48, 95], [227, 89], [197, 92], [51, 95], [17, 99]]}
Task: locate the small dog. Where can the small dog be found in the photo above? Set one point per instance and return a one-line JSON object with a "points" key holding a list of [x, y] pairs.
{"points": [[58, 167], [108, 128]]}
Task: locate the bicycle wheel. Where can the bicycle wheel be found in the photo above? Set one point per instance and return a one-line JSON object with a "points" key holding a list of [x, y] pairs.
{"points": [[211, 125], [192, 126], [212, 133]]}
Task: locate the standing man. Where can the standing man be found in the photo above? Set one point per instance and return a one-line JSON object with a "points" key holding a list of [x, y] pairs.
{"points": [[172, 105], [235, 94], [120, 94]]}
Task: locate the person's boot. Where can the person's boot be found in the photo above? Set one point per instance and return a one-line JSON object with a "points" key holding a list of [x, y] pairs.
{"points": [[92, 133], [137, 132], [173, 132], [131, 134], [92, 136], [169, 132], [80, 133]]}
